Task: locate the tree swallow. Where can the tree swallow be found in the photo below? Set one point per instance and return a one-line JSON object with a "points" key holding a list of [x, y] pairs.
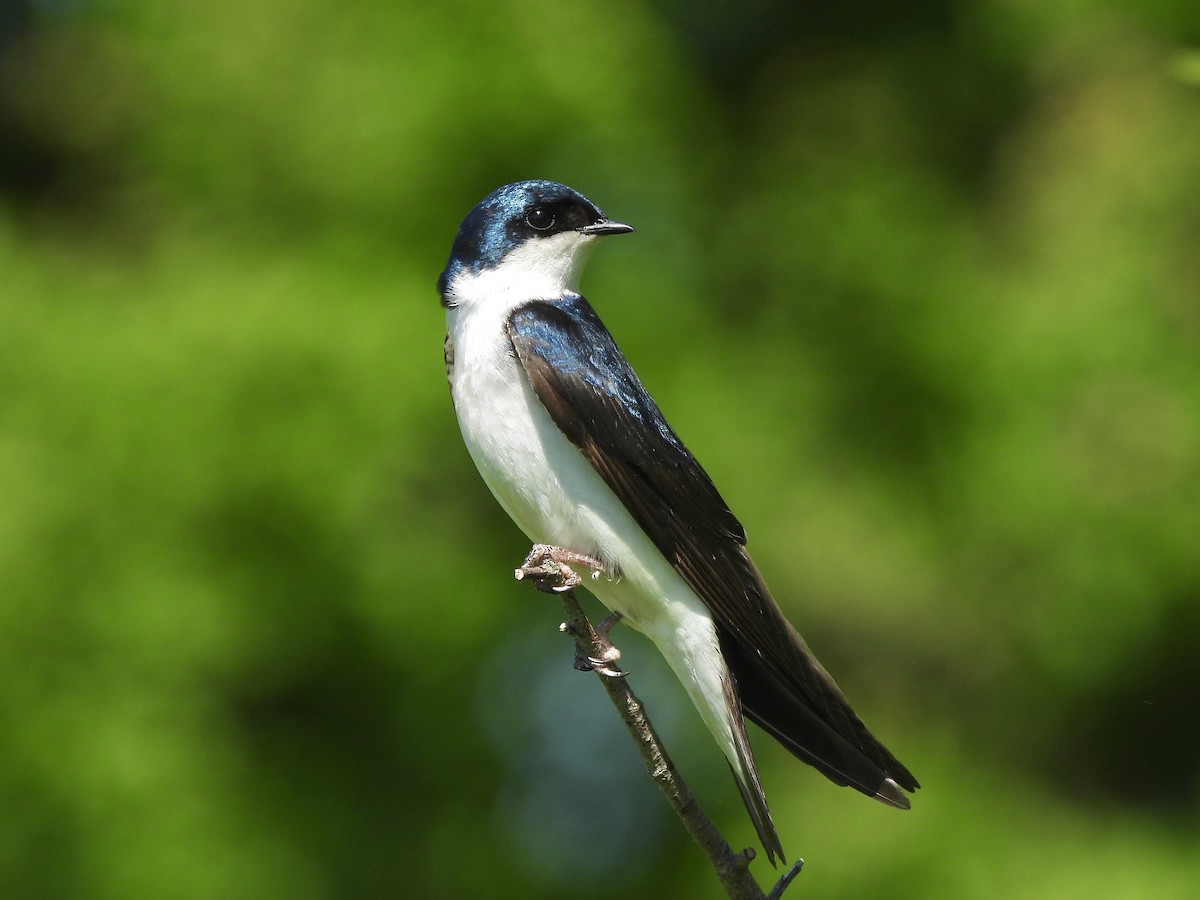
{"points": [[578, 454]]}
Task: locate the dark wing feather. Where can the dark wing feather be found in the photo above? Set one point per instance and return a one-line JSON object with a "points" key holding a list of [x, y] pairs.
{"points": [[594, 396]]}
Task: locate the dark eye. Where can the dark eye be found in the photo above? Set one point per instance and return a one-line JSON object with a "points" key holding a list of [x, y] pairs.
{"points": [[540, 218]]}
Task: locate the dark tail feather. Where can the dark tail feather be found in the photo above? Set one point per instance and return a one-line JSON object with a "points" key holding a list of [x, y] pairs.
{"points": [[854, 758], [747, 780], [756, 806]]}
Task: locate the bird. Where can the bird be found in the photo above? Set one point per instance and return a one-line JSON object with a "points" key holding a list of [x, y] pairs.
{"points": [[578, 454]]}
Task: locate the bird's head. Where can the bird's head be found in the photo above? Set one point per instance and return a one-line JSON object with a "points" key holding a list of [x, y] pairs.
{"points": [[530, 236]]}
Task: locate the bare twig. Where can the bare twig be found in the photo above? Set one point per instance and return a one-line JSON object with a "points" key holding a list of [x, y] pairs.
{"points": [[788, 876], [595, 652]]}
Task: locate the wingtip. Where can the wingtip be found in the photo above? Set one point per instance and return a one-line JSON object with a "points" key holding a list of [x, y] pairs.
{"points": [[774, 850], [893, 795]]}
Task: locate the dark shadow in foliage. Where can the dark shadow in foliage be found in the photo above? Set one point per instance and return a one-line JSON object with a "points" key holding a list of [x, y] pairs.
{"points": [[320, 712], [1136, 741]]}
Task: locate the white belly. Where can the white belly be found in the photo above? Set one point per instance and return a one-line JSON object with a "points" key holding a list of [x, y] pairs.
{"points": [[547, 486], [542, 480]]}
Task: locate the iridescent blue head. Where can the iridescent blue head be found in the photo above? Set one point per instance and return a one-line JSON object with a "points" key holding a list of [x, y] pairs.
{"points": [[540, 226]]}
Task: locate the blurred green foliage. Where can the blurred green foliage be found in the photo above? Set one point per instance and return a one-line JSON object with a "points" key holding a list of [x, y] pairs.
{"points": [[919, 284]]}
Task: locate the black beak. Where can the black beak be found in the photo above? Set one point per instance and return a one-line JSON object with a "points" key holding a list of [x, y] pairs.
{"points": [[604, 226]]}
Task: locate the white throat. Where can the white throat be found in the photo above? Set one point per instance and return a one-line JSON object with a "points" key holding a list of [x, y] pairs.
{"points": [[541, 268]]}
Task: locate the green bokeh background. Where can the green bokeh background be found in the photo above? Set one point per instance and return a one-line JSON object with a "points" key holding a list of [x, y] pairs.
{"points": [[919, 283]]}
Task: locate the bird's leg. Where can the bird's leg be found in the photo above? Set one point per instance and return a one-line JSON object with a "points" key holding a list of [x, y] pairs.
{"points": [[549, 568]]}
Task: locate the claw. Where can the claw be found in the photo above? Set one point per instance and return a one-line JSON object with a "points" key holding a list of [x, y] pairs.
{"points": [[602, 664], [597, 666], [570, 579]]}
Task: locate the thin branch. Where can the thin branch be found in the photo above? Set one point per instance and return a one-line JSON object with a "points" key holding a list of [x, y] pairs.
{"points": [[788, 877], [595, 652]]}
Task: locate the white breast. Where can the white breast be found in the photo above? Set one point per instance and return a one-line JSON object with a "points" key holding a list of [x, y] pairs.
{"points": [[519, 452], [537, 475]]}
